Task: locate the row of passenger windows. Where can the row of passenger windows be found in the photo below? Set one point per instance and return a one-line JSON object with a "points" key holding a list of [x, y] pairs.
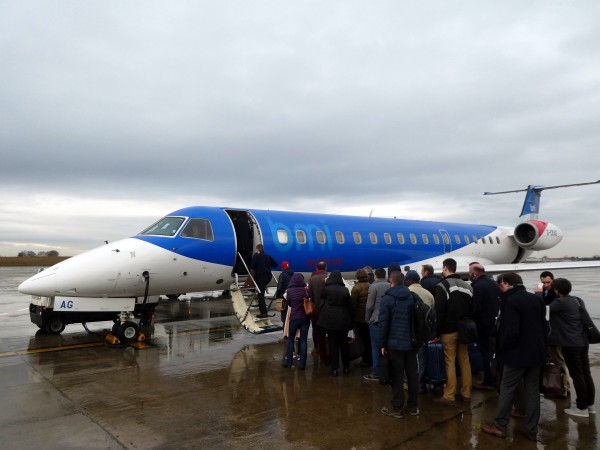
{"points": [[340, 238]]}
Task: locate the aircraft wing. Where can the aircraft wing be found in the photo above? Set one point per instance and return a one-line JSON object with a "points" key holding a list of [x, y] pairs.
{"points": [[523, 267]]}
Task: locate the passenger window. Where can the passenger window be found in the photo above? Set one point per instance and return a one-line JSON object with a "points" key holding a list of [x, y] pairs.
{"points": [[282, 237], [198, 229], [467, 241], [425, 239], [373, 237], [446, 239], [490, 239], [413, 238], [301, 237], [387, 238], [497, 239], [167, 226], [339, 237], [436, 239], [475, 239], [483, 240], [400, 237], [320, 237], [357, 237], [457, 238]]}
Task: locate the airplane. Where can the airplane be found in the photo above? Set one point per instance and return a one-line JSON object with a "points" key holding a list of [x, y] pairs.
{"points": [[202, 248]]}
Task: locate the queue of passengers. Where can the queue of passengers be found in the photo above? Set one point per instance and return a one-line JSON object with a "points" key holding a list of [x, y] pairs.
{"points": [[513, 335]]}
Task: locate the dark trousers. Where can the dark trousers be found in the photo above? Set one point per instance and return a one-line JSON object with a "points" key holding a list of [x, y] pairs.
{"points": [[486, 347], [339, 344], [362, 330], [262, 281], [511, 377], [404, 362], [320, 339], [578, 363]]}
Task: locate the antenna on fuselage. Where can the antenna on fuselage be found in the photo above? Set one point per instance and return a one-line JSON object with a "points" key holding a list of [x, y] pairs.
{"points": [[531, 205]]}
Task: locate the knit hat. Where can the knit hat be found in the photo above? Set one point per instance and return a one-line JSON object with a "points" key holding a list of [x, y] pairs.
{"points": [[412, 275], [285, 265]]}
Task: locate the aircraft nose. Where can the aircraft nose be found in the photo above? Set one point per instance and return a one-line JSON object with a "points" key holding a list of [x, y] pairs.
{"points": [[42, 284]]}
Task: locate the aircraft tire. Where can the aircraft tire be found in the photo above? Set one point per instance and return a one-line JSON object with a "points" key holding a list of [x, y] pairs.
{"points": [[115, 328], [55, 325], [128, 331]]}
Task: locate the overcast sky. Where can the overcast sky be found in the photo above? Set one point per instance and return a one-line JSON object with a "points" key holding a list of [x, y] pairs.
{"points": [[115, 113]]}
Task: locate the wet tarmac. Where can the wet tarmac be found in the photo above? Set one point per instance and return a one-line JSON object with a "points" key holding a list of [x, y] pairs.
{"points": [[201, 381]]}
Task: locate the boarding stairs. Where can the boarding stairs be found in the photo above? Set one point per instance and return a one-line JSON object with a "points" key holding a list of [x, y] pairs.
{"points": [[244, 296]]}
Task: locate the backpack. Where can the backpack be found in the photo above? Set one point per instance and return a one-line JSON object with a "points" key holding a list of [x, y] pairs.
{"points": [[423, 324]]}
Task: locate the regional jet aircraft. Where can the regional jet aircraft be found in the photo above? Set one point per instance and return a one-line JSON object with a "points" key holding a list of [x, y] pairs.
{"points": [[203, 248]]}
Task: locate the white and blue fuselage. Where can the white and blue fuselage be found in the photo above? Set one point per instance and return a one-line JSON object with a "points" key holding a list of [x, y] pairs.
{"points": [[196, 249]]}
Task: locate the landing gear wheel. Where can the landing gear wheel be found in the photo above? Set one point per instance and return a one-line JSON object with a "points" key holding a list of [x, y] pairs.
{"points": [[55, 325], [115, 328], [128, 331]]}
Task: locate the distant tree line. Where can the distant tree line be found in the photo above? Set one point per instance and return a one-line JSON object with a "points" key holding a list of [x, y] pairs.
{"points": [[29, 253]]}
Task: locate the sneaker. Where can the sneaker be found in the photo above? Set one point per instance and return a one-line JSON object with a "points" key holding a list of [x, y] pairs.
{"points": [[371, 377], [574, 411], [395, 413], [412, 412], [443, 401], [592, 409]]}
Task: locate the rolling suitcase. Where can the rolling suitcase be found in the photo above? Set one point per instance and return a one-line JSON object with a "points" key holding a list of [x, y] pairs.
{"points": [[475, 359], [436, 366]]}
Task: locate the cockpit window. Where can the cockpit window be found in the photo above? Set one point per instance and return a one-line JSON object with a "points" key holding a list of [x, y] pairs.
{"points": [[198, 229], [167, 226]]}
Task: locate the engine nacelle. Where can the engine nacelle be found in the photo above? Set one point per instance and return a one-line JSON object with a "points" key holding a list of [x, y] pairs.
{"points": [[537, 235]]}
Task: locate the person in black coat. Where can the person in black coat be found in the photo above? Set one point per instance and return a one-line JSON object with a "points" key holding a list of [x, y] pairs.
{"points": [[336, 317], [486, 301], [521, 341]]}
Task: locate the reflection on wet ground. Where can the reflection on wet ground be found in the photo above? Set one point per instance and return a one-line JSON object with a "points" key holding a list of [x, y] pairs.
{"points": [[204, 382]]}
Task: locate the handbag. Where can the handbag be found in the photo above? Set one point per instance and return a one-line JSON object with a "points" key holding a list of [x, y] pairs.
{"points": [[467, 331], [589, 328], [551, 383], [279, 304], [356, 347], [385, 376], [309, 306]]}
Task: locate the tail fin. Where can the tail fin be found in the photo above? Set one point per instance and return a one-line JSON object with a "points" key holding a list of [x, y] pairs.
{"points": [[531, 205]]}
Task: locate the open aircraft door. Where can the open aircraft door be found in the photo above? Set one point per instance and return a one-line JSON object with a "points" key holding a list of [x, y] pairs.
{"points": [[446, 240]]}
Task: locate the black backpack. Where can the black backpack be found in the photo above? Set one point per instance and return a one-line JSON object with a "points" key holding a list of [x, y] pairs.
{"points": [[423, 324]]}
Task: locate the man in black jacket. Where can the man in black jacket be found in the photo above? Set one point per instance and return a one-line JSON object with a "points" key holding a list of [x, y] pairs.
{"points": [[453, 299], [521, 342], [486, 301]]}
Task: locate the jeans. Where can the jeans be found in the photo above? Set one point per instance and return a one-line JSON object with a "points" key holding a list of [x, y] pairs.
{"points": [[303, 325], [375, 347], [451, 348], [423, 355]]}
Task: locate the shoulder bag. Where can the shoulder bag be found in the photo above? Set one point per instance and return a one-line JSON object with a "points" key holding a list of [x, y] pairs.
{"points": [[589, 328], [551, 383], [385, 376]]}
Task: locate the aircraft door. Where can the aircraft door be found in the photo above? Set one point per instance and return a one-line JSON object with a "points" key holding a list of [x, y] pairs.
{"points": [[247, 237], [446, 240]]}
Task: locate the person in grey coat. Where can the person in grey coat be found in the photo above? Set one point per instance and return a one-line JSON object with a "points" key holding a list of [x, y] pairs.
{"points": [[567, 330], [376, 290]]}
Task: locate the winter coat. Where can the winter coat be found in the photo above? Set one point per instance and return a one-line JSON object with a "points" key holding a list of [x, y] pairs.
{"points": [[295, 294], [315, 287], [283, 281], [335, 314], [376, 291], [521, 339], [565, 323], [358, 297], [395, 316], [486, 301], [452, 303]]}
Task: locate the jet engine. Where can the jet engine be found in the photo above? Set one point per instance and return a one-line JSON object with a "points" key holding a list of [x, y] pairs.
{"points": [[537, 235]]}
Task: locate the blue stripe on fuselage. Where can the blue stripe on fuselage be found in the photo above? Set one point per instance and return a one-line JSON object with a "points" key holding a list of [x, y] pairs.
{"points": [[303, 257]]}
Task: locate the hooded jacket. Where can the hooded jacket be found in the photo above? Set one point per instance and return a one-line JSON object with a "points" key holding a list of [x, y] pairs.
{"points": [[295, 294], [335, 313], [395, 316]]}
